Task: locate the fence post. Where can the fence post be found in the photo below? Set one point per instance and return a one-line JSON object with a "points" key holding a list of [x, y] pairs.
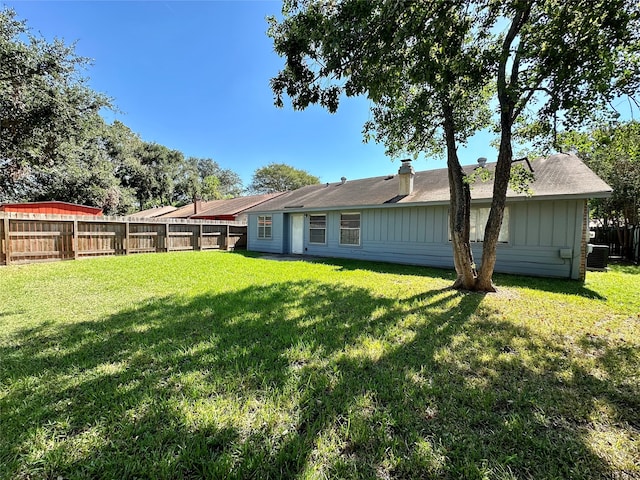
{"points": [[126, 238], [74, 239], [76, 243], [7, 242]]}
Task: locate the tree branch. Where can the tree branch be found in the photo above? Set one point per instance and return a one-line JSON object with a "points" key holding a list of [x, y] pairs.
{"points": [[523, 103], [515, 68], [519, 20]]}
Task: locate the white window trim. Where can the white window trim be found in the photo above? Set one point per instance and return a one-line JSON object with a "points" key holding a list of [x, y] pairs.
{"points": [[505, 229], [318, 228], [359, 229], [262, 226]]}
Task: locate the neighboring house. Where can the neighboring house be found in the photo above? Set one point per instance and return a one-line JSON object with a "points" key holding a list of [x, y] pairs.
{"points": [[404, 218], [153, 212], [233, 209], [51, 208]]}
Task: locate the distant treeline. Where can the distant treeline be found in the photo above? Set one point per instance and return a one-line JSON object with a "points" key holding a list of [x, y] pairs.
{"points": [[54, 144]]}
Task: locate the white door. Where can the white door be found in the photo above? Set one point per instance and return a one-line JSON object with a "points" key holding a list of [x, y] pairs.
{"points": [[297, 233]]}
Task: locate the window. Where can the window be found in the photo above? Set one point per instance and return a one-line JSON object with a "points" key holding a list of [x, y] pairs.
{"points": [[264, 226], [317, 229], [350, 229], [479, 217]]}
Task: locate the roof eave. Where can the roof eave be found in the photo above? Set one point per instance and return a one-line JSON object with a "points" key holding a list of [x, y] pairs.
{"points": [[522, 198]]}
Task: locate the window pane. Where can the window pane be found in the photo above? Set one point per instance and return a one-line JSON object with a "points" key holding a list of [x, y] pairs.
{"points": [[350, 236], [504, 230], [317, 235], [317, 221], [478, 221], [317, 228], [350, 229], [473, 233], [350, 220], [481, 222], [264, 226]]}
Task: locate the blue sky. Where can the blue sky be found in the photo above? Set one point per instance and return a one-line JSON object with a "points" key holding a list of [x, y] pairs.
{"points": [[194, 76]]}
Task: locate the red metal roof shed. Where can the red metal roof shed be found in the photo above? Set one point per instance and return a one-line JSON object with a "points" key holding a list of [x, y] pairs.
{"points": [[51, 207]]}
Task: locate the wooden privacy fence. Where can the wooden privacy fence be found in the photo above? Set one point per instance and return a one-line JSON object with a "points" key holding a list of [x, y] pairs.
{"points": [[623, 242], [26, 238]]}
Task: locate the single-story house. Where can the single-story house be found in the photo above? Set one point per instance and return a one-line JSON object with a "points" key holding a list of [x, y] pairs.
{"points": [[231, 209], [51, 208], [404, 218]]}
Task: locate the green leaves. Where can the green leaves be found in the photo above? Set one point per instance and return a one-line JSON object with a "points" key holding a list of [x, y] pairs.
{"points": [[204, 178], [45, 106], [433, 69], [279, 177], [54, 145], [613, 152], [575, 56]]}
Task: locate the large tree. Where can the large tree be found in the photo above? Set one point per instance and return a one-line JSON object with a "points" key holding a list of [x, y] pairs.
{"points": [[218, 182], [613, 152], [558, 62], [86, 174], [429, 68], [155, 176], [203, 178], [280, 177], [44, 102]]}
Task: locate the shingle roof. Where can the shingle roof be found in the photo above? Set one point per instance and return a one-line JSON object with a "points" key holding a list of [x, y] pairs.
{"points": [[555, 176], [187, 210], [214, 208], [153, 212], [233, 206]]}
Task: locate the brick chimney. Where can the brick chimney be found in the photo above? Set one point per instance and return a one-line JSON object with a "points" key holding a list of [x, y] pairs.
{"points": [[197, 205], [406, 174]]}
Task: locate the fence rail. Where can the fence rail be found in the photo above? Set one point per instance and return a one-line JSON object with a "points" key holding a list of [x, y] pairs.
{"points": [[623, 242], [26, 238]]}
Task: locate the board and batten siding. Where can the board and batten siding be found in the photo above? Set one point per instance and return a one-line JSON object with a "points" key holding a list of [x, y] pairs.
{"points": [[418, 235], [275, 244], [411, 235], [539, 230]]}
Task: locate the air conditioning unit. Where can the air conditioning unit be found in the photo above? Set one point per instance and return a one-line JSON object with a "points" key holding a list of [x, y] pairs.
{"points": [[598, 258]]}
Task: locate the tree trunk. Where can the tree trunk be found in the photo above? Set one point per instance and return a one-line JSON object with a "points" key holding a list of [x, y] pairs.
{"points": [[460, 208], [507, 92], [494, 222]]}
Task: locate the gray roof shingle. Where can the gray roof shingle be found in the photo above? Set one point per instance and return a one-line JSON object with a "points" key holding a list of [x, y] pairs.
{"points": [[234, 206], [559, 175], [153, 212], [230, 206]]}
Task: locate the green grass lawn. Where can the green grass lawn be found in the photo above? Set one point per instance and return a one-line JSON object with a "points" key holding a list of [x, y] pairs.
{"points": [[223, 365]]}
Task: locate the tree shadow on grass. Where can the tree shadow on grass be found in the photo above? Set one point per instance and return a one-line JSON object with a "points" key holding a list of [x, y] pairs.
{"points": [[305, 378], [552, 285], [352, 264]]}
